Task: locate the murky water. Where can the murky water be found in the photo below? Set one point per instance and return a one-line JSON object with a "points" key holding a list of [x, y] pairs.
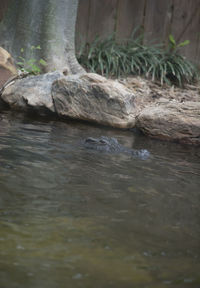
{"points": [[71, 217]]}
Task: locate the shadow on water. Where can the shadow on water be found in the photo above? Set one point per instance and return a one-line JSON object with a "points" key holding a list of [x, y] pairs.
{"points": [[71, 217]]}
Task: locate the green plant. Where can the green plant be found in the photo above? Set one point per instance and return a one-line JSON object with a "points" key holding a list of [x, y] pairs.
{"points": [[112, 59], [172, 68], [175, 68], [173, 46], [31, 65]]}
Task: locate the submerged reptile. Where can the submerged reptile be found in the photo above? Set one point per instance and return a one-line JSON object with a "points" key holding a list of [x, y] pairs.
{"points": [[111, 145]]}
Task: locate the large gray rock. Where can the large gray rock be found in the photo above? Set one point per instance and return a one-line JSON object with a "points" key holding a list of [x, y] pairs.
{"points": [[172, 120], [31, 93], [93, 98]]}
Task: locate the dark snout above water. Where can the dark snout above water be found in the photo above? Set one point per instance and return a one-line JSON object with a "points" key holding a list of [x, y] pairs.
{"points": [[111, 145], [74, 217]]}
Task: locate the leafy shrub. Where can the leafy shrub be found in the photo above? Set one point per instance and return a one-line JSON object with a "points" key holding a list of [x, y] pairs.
{"points": [[112, 59], [31, 65]]}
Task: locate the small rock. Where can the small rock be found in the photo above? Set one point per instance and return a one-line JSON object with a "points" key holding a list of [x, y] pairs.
{"points": [[77, 276]]}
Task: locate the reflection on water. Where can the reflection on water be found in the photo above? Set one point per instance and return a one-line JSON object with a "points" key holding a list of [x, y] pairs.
{"points": [[70, 217]]}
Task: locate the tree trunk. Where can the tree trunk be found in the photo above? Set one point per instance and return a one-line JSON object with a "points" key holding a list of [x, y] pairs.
{"points": [[48, 23]]}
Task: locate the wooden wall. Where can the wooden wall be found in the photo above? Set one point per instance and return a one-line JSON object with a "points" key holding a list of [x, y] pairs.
{"points": [[156, 18]]}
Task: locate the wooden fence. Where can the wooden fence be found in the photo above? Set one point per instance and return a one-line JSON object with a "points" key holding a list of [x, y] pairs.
{"points": [[155, 18]]}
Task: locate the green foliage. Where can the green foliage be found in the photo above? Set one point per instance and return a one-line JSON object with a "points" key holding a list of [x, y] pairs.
{"points": [[31, 65], [172, 68], [174, 46], [112, 59]]}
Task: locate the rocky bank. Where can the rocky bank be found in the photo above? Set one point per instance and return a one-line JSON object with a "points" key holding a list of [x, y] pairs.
{"points": [[166, 113]]}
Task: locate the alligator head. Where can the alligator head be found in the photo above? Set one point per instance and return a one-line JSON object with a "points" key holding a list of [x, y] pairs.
{"points": [[102, 144], [110, 144]]}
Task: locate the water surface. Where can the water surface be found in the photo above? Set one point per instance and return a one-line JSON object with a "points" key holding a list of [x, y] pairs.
{"points": [[71, 217]]}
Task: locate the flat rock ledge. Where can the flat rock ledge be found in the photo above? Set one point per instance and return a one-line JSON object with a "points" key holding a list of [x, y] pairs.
{"points": [[172, 121], [164, 113]]}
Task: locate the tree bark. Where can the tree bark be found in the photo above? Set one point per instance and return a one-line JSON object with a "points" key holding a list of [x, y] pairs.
{"points": [[48, 23]]}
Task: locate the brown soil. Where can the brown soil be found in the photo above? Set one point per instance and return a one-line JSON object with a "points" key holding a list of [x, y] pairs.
{"points": [[148, 92]]}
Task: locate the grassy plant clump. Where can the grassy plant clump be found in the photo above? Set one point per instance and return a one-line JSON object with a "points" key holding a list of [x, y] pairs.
{"points": [[112, 59], [173, 68]]}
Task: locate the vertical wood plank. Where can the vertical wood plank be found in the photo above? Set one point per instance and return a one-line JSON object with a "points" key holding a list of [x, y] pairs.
{"points": [[197, 58], [3, 7], [185, 26], [102, 18], [130, 17], [82, 23], [157, 21]]}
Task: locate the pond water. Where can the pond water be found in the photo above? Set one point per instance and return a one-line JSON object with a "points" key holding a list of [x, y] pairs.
{"points": [[71, 217]]}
